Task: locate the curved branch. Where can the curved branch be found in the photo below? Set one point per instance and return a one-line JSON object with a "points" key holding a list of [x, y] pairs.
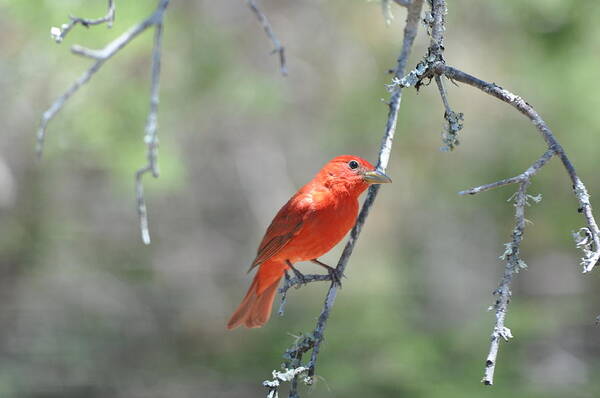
{"points": [[587, 238], [591, 246]]}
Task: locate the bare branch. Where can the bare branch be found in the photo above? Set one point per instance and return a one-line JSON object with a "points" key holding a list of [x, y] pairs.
{"points": [[313, 341], [587, 238], [58, 34], [513, 265], [264, 21], [590, 245], [150, 137], [60, 102], [526, 175], [101, 56]]}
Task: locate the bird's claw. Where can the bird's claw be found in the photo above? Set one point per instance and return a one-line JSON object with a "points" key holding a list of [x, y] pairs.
{"points": [[300, 276], [336, 277], [334, 274]]}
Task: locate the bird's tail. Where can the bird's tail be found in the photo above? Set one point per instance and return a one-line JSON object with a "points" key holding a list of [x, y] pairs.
{"points": [[255, 309]]}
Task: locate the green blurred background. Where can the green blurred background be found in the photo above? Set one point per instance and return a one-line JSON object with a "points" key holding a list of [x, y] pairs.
{"points": [[86, 310]]}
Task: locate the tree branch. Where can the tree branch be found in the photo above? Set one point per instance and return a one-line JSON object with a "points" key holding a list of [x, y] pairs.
{"points": [[101, 56], [297, 282], [453, 120], [150, 137], [58, 34], [512, 256], [587, 238], [264, 21], [590, 242], [313, 341], [526, 175], [513, 265]]}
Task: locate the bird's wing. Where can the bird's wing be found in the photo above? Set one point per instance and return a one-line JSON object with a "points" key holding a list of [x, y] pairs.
{"points": [[287, 223]]}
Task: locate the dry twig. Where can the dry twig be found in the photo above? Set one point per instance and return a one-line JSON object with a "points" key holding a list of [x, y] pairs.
{"points": [[59, 33], [511, 254], [101, 56], [264, 21]]}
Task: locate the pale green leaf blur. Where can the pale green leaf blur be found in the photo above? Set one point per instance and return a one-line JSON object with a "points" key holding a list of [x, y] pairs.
{"points": [[86, 310]]}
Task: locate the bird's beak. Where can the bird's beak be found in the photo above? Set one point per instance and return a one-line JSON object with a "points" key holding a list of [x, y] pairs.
{"points": [[376, 177]]}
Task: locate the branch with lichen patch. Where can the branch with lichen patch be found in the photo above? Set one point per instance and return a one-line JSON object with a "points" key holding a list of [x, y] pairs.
{"points": [[453, 120], [590, 235], [587, 238], [514, 264], [511, 254]]}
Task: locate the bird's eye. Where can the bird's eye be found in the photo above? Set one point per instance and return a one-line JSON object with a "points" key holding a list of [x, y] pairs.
{"points": [[353, 164]]}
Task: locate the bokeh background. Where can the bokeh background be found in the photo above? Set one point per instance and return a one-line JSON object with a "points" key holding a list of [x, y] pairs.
{"points": [[86, 310]]}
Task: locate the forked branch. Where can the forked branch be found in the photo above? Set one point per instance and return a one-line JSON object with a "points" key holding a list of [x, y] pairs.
{"points": [[100, 57], [59, 33], [433, 66]]}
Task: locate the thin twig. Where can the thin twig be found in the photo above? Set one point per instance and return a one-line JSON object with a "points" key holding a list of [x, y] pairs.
{"points": [[442, 90], [58, 34], [453, 119], [101, 56], [541, 162], [264, 21], [150, 137], [512, 256], [513, 265]]}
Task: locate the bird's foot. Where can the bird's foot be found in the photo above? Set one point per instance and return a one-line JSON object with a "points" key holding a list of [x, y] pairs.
{"points": [[336, 277], [299, 275]]}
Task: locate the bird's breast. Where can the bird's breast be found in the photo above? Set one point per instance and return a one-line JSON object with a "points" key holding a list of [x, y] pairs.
{"points": [[322, 230]]}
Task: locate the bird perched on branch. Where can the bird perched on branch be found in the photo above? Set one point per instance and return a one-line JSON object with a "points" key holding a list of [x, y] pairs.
{"points": [[310, 224]]}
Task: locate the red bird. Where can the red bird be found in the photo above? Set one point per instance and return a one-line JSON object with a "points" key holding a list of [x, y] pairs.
{"points": [[312, 222]]}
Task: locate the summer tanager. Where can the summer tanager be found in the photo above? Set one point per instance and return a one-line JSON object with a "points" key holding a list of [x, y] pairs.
{"points": [[312, 222]]}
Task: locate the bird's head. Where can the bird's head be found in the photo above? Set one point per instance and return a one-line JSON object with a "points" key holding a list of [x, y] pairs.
{"points": [[352, 174]]}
